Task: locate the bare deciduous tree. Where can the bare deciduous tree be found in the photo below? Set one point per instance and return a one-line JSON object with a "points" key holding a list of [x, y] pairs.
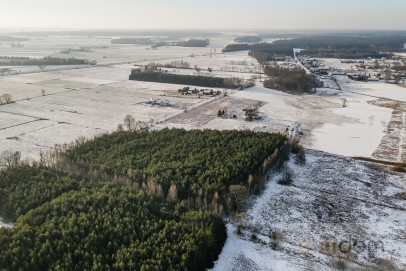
{"points": [[129, 122], [197, 69], [387, 75], [10, 159]]}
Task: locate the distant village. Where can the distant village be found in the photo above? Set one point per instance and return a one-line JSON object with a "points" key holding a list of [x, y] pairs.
{"points": [[373, 70]]}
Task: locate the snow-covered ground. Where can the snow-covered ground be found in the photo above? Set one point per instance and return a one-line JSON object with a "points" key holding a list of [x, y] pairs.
{"points": [[94, 100], [89, 100], [330, 196], [373, 89], [58, 104], [336, 63], [353, 130], [359, 134], [4, 224], [333, 199], [40, 122]]}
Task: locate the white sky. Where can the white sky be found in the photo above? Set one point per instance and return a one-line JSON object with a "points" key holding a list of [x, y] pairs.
{"points": [[204, 14]]}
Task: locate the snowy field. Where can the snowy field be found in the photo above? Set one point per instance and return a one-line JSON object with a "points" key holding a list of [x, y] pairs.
{"points": [[328, 126], [354, 130], [89, 100], [58, 104], [373, 89], [331, 197], [81, 109], [288, 226]]}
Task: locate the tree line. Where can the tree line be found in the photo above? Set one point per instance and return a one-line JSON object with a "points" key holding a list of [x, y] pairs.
{"points": [[26, 61], [344, 46], [194, 80], [193, 43], [159, 43], [248, 39], [236, 47], [10, 38]]}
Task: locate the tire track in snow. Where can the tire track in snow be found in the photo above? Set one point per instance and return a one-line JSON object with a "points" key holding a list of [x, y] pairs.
{"points": [[20, 124]]}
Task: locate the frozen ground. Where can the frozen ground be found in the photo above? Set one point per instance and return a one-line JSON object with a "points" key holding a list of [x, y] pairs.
{"points": [[373, 89], [352, 130], [93, 100], [89, 100], [362, 205], [331, 196], [36, 123]]}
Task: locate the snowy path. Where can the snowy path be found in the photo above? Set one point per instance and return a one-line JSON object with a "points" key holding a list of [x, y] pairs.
{"points": [[295, 50]]}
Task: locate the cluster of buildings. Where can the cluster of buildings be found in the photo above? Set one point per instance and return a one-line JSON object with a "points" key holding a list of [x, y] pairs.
{"points": [[154, 101], [317, 68], [372, 70]]}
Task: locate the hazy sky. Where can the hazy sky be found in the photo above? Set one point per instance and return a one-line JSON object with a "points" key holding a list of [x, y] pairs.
{"points": [[205, 14]]}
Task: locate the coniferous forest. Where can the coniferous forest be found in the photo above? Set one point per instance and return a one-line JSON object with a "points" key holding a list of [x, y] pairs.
{"points": [[194, 80], [112, 228], [24, 188], [189, 161], [127, 201]]}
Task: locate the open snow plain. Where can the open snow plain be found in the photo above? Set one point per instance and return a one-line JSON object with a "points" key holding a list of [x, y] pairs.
{"points": [[88, 100], [77, 103], [56, 105]]}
